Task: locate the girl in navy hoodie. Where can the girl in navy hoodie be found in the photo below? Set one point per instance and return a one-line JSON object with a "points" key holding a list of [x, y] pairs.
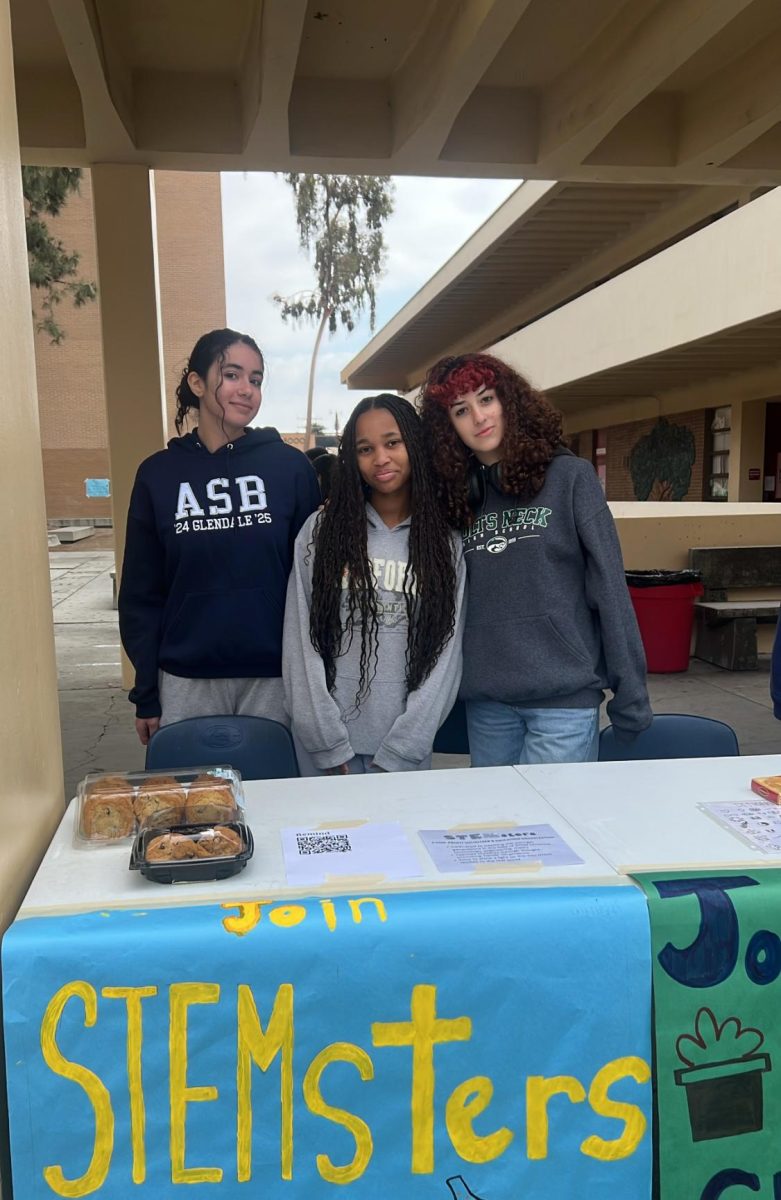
{"points": [[210, 534]]}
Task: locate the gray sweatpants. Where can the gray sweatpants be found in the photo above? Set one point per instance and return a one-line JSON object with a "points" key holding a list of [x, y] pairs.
{"points": [[181, 698]]}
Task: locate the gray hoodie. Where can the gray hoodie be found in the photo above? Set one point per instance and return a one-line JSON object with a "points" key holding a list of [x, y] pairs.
{"points": [[395, 728], [550, 623]]}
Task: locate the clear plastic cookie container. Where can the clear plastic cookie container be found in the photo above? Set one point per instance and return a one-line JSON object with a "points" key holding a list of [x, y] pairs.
{"points": [[113, 807]]}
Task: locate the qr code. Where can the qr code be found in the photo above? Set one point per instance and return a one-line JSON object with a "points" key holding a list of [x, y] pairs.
{"points": [[323, 843]]}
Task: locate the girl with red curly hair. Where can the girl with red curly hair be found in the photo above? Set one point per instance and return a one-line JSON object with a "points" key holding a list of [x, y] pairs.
{"points": [[549, 625]]}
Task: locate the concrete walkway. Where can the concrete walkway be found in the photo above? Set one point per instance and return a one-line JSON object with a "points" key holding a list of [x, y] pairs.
{"points": [[97, 722], [95, 717]]}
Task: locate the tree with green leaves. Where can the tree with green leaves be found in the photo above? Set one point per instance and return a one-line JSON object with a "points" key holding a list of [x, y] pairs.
{"points": [[340, 219], [53, 269]]}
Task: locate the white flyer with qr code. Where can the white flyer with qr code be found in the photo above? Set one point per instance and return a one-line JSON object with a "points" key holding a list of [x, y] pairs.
{"points": [[313, 856]]}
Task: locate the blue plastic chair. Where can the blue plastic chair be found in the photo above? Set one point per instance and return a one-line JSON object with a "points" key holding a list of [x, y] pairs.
{"points": [[257, 747], [672, 735], [452, 735]]}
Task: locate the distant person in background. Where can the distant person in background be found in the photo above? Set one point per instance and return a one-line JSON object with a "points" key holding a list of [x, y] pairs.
{"points": [[372, 647], [775, 675], [324, 465], [550, 624], [210, 533]]}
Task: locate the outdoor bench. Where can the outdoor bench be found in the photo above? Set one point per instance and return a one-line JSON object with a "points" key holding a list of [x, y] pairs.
{"points": [[727, 627]]}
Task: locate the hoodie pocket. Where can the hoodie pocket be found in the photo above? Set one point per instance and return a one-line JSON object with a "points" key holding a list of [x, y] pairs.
{"points": [[224, 634], [522, 659]]}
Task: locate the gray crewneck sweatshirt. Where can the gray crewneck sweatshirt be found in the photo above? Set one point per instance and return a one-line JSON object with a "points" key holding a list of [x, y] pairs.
{"points": [[395, 728], [550, 623]]}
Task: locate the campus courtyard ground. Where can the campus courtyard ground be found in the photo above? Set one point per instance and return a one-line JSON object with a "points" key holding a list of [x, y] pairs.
{"points": [[98, 733]]}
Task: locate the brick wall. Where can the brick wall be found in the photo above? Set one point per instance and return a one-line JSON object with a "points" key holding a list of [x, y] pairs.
{"points": [[70, 375], [621, 439], [71, 400], [64, 473]]}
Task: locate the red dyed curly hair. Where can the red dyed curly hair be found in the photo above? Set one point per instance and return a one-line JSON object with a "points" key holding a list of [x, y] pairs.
{"points": [[533, 430]]}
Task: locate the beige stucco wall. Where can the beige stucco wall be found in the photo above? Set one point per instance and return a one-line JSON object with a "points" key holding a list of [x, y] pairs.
{"points": [[661, 535]]}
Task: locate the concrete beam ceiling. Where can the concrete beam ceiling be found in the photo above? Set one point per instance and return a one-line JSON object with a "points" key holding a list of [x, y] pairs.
{"points": [[629, 91]]}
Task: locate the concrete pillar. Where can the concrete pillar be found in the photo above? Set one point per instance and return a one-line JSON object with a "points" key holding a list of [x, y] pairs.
{"points": [[31, 799], [747, 450], [125, 238]]}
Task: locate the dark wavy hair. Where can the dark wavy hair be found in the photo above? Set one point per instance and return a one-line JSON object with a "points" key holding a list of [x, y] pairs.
{"points": [[532, 433], [209, 349], [340, 550]]}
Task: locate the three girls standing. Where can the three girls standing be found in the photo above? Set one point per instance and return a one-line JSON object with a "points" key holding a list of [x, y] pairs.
{"points": [[374, 607]]}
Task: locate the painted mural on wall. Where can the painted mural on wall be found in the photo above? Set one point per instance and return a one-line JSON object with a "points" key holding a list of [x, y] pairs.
{"points": [[661, 462]]}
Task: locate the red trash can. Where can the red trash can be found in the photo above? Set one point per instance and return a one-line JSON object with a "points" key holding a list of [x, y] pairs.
{"points": [[664, 605]]}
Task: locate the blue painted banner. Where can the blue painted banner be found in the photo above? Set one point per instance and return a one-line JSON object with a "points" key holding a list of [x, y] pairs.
{"points": [[487, 1042]]}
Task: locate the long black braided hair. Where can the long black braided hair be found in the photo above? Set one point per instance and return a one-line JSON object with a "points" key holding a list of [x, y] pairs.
{"points": [[340, 550]]}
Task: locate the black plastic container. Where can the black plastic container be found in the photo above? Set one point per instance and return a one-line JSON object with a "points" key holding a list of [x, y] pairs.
{"points": [[191, 870]]}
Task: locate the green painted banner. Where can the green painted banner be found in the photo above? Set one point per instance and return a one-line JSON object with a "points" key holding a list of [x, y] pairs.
{"points": [[716, 954]]}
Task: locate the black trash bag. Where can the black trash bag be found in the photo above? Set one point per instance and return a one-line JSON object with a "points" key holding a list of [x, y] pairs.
{"points": [[657, 578]]}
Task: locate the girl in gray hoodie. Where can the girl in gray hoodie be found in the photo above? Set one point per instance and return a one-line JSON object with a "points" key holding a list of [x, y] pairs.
{"points": [[371, 656], [550, 624]]}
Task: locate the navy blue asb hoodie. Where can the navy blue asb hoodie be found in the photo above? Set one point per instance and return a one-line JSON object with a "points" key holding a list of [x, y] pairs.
{"points": [[207, 556]]}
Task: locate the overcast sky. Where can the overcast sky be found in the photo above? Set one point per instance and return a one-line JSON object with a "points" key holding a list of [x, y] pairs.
{"points": [[432, 218]]}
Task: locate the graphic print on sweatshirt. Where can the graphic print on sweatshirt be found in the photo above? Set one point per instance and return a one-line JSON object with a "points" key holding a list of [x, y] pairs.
{"points": [[495, 531], [389, 584], [201, 508]]}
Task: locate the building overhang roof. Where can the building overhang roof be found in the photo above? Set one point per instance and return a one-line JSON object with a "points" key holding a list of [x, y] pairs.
{"points": [[675, 91], [547, 244], [697, 325]]}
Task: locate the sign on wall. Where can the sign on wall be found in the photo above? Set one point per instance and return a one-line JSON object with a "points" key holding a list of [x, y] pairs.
{"points": [[96, 488], [489, 1043]]}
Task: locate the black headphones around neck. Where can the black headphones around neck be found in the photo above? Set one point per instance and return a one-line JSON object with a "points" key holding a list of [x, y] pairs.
{"points": [[480, 476], [477, 482]]}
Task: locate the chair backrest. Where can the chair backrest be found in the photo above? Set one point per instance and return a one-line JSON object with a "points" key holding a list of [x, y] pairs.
{"points": [[672, 735], [255, 746], [452, 735]]}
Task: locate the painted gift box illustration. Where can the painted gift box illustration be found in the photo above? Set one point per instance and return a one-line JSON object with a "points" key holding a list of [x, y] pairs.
{"points": [[722, 1077]]}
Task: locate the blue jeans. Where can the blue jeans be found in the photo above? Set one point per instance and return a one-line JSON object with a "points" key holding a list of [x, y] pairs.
{"points": [[501, 735]]}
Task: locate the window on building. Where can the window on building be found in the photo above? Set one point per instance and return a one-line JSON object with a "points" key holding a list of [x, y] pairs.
{"points": [[718, 482]]}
